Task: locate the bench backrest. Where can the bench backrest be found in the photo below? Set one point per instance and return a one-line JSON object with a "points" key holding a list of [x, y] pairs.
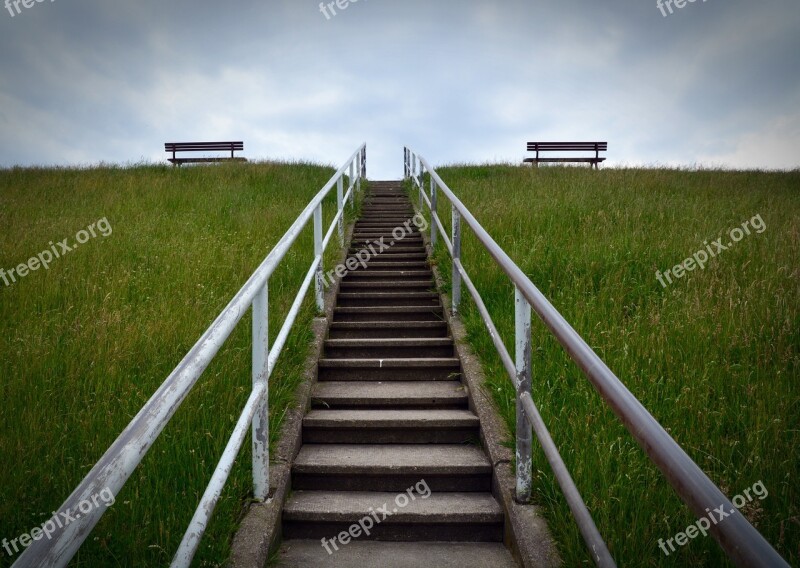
{"points": [[203, 146], [567, 146]]}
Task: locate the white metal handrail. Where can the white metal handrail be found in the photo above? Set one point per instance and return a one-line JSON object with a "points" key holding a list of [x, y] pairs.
{"points": [[128, 450], [738, 538]]}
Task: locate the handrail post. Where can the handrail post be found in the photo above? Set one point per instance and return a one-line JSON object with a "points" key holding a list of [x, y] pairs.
{"points": [[340, 207], [358, 169], [260, 423], [434, 228], [405, 162], [421, 190], [413, 165], [522, 340], [364, 162], [318, 289], [456, 277], [352, 183]]}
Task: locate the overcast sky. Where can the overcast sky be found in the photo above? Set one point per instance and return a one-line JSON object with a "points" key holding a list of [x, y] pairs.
{"points": [[715, 83]]}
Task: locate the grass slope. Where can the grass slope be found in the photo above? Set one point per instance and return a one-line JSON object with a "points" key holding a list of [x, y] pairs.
{"points": [[86, 343], [715, 356]]}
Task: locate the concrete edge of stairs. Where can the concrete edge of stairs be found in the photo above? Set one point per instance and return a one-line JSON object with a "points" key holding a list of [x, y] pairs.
{"points": [[259, 532], [527, 534]]}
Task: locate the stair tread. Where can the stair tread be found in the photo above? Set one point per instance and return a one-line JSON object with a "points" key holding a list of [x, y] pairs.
{"points": [[440, 508], [413, 342], [392, 363], [376, 554], [390, 418], [397, 390], [392, 459]]}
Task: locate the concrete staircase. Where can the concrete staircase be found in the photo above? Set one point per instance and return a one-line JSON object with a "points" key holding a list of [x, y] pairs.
{"points": [[390, 447]]}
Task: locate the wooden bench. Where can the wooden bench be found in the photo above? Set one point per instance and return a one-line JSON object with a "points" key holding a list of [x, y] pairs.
{"points": [[231, 147], [595, 147]]}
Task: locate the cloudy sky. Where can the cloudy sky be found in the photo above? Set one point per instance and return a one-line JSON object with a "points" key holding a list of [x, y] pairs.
{"points": [[715, 83]]}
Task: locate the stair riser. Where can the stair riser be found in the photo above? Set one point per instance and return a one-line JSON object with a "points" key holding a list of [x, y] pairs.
{"points": [[399, 301], [384, 264], [395, 257], [389, 404], [389, 435], [433, 315], [390, 288], [387, 276], [389, 374], [395, 352], [388, 333]]}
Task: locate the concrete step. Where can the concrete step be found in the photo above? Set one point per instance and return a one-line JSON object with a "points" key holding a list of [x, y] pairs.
{"points": [[387, 329], [395, 265], [388, 275], [398, 249], [417, 256], [406, 395], [398, 313], [455, 517], [442, 369], [362, 467], [389, 287], [376, 554], [394, 348], [382, 298], [390, 427]]}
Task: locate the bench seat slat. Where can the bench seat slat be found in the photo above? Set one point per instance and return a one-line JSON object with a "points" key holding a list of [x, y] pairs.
{"points": [[197, 146], [567, 146], [595, 147], [592, 160], [175, 147]]}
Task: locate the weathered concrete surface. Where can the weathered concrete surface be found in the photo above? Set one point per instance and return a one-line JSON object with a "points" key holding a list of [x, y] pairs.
{"points": [[366, 554]]}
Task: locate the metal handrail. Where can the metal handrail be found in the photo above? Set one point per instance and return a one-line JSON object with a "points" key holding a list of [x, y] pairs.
{"points": [[128, 450], [738, 538]]}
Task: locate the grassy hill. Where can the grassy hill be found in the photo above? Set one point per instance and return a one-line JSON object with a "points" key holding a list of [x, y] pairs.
{"points": [[714, 354], [87, 340]]}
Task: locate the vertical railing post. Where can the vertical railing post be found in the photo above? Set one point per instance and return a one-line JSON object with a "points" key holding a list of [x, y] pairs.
{"points": [[364, 162], [421, 189], [340, 207], [318, 284], [352, 186], [456, 278], [260, 371], [358, 170], [434, 227], [405, 162], [413, 165], [522, 320]]}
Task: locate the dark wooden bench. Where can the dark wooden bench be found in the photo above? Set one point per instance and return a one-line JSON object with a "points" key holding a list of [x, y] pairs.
{"points": [[595, 147], [231, 147]]}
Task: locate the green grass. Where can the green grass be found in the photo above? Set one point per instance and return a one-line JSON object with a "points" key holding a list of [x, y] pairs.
{"points": [[86, 343], [715, 356]]}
